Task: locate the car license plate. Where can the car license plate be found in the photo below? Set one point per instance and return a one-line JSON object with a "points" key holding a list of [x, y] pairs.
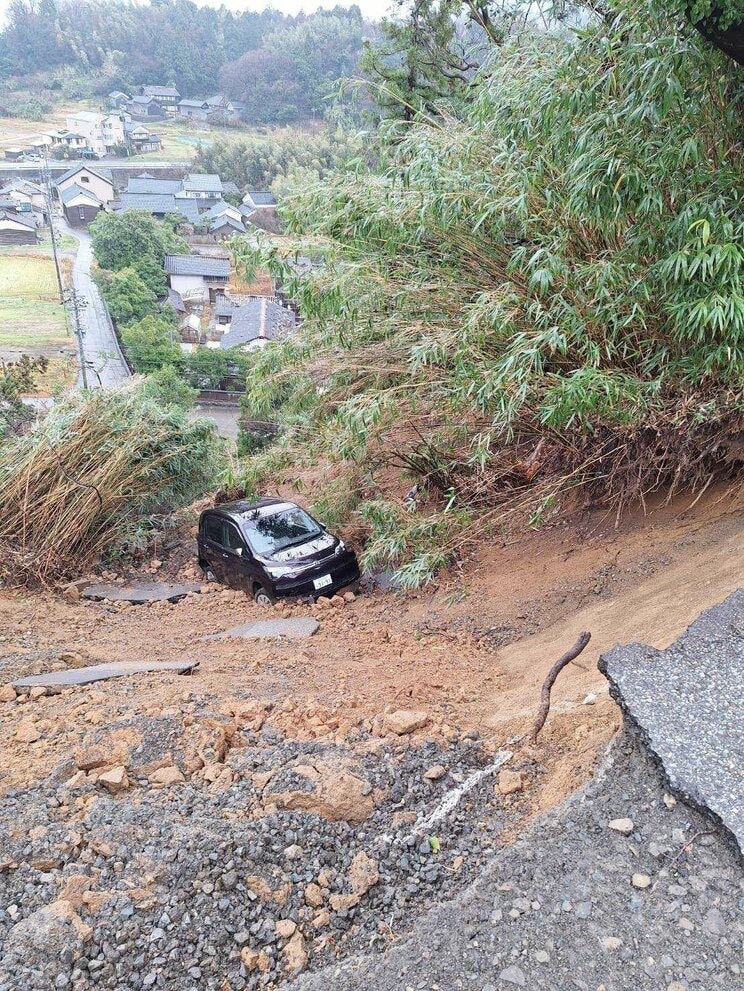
{"points": [[323, 582]]}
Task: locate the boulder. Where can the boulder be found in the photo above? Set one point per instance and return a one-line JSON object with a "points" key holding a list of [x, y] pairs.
{"points": [[510, 781], [115, 779], [404, 721], [27, 732], [7, 693], [166, 776], [337, 794]]}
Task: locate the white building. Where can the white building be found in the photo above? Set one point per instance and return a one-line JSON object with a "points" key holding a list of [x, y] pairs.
{"points": [[102, 132], [197, 278]]}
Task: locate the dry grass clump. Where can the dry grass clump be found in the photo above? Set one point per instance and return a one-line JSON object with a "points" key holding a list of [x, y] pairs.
{"points": [[91, 474]]}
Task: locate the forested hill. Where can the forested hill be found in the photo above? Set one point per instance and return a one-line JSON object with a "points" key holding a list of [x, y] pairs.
{"points": [[286, 66]]}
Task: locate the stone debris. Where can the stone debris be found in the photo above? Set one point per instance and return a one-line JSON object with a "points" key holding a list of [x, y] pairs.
{"points": [[623, 826], [115, 780], [435, 773], [641, 881], [510, 782], [138, 593], [295, 628]]}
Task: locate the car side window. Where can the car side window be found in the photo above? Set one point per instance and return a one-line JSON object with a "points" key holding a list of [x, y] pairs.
{"points": [[213, 529], [233, 539]]}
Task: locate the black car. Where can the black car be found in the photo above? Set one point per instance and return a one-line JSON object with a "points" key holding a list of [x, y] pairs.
{"points": [[273, 549]]}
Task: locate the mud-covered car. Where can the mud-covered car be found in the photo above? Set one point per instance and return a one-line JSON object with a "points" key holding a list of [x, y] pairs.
{"points": [[273, 549]]}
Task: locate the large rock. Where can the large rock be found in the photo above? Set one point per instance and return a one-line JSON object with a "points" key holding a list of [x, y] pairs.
{"points": [[49, 932], [336, 793], [115, 780], [404, 721], [295, 954]]}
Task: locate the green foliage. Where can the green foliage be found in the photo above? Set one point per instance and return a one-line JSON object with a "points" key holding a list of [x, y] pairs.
{"points": [[265, 160], [167, 388], [283, 66], [132, 238], [127, 296], [16, 379], [151, 343], [721, 14], [550, 282]]}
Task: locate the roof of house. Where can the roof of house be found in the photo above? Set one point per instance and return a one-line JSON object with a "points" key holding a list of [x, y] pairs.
{"points": [[21, 186], [151, 186], [160, 203], [75, 192], [220, 100], [160, 91], [260, 198], [6, 203], [197, 265], [17, 218], [218, 209], [193, 103], [251, 318], [225, 221], [198, 182], [117, 92], [223, 306], [142, 100], [104, 174], [175, 300], [230, 187]]}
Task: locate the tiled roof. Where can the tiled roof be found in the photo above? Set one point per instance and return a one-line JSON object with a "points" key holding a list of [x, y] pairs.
{"points": [[247, 322], [225, 221], [198, 183], [142, 100], [74, 192], [153, 187], [160, 203], [197, 265], [193, 103], [17, 218], [160, 91], [260, 198], [104, 174]]}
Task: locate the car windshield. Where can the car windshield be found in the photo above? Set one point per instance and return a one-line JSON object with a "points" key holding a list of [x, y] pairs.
{"points": [[269, 534]]}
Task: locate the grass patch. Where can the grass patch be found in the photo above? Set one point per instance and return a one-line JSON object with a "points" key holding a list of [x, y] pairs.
{"points": [[30, 311]]}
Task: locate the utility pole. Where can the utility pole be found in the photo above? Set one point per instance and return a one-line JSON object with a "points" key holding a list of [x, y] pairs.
{"points": [[76, 306], [47, 177]]}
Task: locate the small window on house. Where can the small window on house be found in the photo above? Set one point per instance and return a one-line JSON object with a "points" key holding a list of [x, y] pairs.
{"points": [[81, 212], [84, 178]]}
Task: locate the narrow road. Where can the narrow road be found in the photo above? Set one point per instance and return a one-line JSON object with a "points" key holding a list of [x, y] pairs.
{"points": [[104, 362]]}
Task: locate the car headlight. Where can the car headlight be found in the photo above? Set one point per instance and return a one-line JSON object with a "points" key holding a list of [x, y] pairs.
{"points": [[341, 547]]}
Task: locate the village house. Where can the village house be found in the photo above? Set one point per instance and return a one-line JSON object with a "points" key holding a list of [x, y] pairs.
{"points": [[61, 139], [222, 106], [166, 96], [194, 109], [143, 107], [141, 139], [28, 197], [118, 100], [197, 278], [17, 228], [102, 132], [159, 205], [203, 187], [252, 322], [80, 206], [94, 179]]}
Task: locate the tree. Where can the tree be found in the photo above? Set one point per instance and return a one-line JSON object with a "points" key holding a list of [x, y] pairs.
{"points": [[16, 379], [127, 296], [167, 387], [133, 237], [152, 344]]}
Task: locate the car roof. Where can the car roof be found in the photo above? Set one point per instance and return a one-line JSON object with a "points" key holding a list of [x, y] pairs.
{"points": [[244, 507]]}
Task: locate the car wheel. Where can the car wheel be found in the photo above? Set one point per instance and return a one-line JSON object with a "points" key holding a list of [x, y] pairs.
{"points": [[261, 597]]}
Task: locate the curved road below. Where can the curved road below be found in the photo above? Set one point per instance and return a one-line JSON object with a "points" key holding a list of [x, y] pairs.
{"points": [[105, 364]]}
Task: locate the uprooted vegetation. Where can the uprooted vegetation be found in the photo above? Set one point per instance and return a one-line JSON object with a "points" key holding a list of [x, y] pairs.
{"points": [[93, 473], [539, 296]]}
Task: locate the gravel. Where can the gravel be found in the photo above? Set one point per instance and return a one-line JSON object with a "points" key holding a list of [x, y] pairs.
{"points": [[186, 881], [684, 932]]}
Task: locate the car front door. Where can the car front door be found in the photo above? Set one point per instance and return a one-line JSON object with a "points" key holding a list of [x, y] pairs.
{"points": [[237, 558]]}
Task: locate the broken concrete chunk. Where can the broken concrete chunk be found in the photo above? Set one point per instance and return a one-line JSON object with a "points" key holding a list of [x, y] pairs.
{"points": [[624, 826]]}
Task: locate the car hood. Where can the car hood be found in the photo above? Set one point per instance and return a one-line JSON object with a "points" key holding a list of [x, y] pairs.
{"points": [[310, 549]]}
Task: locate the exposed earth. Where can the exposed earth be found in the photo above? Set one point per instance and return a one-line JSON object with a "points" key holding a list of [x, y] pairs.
{"points": [[281, 808]]}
